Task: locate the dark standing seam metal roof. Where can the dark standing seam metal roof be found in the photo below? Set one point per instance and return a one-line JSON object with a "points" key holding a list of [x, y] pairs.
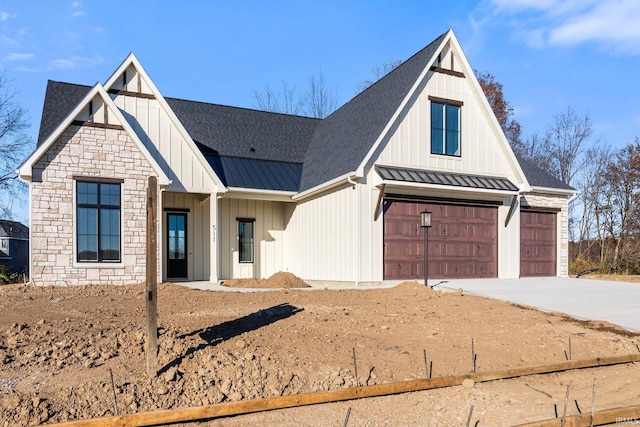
{"points": [[343, 139], [256, 149], [421, 176], [254, 173], [538, 177]]}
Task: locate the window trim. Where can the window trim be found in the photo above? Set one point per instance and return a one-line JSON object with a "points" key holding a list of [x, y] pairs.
{"points": [[251, 221], [445, 102], [76, 205]]}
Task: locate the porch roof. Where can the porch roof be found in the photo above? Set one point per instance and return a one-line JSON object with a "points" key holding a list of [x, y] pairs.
{"points": [[422, 176]]}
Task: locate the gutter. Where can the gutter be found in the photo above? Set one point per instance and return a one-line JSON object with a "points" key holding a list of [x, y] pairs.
{"points": [[356, 231], [248, 193], [347, 178], [559, 191]]}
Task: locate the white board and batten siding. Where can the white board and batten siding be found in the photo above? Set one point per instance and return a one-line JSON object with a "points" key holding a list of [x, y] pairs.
{"points": [[269, 249], [163, 138], [482, 153]]}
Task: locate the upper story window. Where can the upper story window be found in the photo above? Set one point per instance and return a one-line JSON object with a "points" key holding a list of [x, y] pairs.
{"points": [[445, 127], [98, 221]]}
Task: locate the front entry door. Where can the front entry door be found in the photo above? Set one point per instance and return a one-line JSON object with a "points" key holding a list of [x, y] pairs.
{"points": [[177, 245]]}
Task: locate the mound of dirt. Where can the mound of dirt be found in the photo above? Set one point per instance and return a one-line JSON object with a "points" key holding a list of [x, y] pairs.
{"points": [[279, 280]]}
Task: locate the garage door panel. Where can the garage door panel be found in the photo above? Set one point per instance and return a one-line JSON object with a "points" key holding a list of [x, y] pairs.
{"points": [[462, 241], [538, 244]]}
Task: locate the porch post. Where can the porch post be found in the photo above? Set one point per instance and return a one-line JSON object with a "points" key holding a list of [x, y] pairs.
{"points": [[213, 238]]}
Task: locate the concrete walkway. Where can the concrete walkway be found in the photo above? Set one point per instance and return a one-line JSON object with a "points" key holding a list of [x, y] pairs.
{"points": [[615, 302]]}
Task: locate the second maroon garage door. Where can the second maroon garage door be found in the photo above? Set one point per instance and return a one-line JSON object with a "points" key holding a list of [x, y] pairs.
{"points": [[463, 241], [538, 243]]}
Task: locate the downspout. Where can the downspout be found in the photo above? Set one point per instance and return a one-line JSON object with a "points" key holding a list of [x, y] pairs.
{"points": [[356, 231]]}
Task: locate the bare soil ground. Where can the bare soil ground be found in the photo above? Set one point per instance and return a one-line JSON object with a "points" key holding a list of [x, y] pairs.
{"points": [[59, 346]]}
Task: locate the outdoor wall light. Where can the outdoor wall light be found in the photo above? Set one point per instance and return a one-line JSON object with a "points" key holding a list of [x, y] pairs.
{"points": [[425, 222]]}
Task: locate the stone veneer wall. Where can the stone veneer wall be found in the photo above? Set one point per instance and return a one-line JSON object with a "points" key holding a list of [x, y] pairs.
{"points": [[88, 152], [558, 202]]}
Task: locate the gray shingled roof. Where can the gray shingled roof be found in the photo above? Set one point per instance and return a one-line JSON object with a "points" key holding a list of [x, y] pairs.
{"points": [[245, 133], [343, 139], [59, 101], [445, 178], [538, 177], [13, 229], [285, 148]]}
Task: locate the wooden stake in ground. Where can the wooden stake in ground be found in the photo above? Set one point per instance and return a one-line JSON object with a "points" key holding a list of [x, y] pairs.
{"points": [[152, 278]]}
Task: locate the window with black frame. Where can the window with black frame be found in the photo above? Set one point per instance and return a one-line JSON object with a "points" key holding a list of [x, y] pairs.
{"points": [[245, 240], [98, 230], [445, 128]]}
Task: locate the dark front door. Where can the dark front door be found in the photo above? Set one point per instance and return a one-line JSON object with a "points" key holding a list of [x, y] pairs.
{"points": [[177, 245]]}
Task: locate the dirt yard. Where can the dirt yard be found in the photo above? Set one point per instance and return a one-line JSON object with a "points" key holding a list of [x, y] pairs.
{"points": [[59, 346]]}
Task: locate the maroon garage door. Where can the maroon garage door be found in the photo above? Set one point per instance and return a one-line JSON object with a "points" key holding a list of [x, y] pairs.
{"points": [[537, 243], [463, 241]]}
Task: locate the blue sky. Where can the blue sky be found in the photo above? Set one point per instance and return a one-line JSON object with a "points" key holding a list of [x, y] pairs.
{"points": [[548, 54]]}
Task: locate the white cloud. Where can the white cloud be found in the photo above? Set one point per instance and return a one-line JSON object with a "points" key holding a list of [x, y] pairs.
{"points": [[18, 56], [4, 16], [611, 23], [76, 62], [78, 12], [8, 41], [62, 63]]}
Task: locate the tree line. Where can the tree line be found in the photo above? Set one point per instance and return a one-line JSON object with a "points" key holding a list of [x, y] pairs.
{"points": [[604, 226]]}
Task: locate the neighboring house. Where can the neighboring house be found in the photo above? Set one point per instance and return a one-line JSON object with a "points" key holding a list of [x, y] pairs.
{"points": [[14, 247], [245, 193]]}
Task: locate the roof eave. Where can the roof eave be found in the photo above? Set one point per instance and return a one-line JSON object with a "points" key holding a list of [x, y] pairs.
{"points": [[342, 179], [551, 190], [259, 194]]}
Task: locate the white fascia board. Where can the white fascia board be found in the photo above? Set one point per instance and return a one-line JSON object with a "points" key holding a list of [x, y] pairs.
{"points": [[549, 190], [403, 104], [417, 185], [257, 194], [132, 60], [25, 170], [327, 185]]}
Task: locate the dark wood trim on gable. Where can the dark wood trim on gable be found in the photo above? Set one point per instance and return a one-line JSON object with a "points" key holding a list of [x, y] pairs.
{"points": [[132, 94], [96, 125], [448, 72], [446, 101]]}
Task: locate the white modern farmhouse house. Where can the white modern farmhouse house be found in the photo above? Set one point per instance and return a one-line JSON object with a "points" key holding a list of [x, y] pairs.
{"points": [[246, 193]]}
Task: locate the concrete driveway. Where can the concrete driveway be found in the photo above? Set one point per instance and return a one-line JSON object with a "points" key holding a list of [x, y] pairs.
{"points": [[615, 302]]}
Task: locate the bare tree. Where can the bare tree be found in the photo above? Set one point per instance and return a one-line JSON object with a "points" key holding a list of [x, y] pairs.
{"points": [[14, 146], [565, 143], [378, 72], [320, 100], [623, 209], [288, 101]]}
